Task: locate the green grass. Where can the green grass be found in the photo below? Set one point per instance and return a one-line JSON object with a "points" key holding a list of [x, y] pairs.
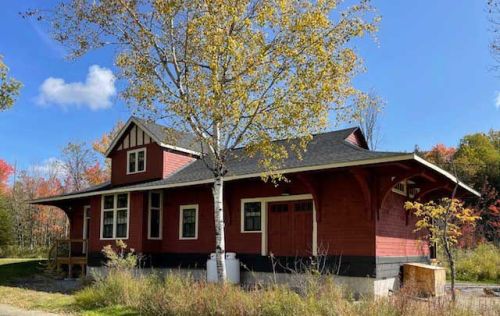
{"points": [[36, 300], [16, 268]]}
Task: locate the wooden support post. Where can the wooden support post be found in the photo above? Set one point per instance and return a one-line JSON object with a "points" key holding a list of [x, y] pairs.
{"points": [[363, 179]]}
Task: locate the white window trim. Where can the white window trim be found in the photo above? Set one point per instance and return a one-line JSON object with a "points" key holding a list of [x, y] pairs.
{"points": [[398, 191], [136, 151], [242, 215], [263, 225], [161, 216], [115, 202], [86, 215], [181, 218]]}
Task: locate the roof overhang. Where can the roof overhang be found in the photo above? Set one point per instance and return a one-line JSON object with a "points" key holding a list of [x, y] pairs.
{"points": [[133, 120], [403, 157]]}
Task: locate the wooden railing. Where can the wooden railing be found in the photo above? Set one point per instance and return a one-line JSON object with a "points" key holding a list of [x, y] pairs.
{"points": [[69, 252]]}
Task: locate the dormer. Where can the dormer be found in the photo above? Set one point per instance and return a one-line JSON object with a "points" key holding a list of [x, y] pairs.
{"points": [[140, 152], [356, 138]]}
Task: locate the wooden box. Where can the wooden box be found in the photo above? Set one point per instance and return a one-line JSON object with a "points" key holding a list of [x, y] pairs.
{"points": [[428, 280]]}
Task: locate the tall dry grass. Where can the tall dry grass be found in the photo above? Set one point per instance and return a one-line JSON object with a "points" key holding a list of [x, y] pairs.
{"points": [[181, 295]]}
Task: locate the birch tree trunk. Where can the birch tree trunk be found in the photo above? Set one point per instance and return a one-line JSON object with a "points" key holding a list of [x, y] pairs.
{"points": [[220, 250]]}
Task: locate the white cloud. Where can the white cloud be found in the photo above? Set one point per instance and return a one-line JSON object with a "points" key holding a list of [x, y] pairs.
{"points": [[497, 100], [95, 92]]}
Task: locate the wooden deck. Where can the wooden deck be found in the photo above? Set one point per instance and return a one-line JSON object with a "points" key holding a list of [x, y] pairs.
{"points": [[69, 253]]}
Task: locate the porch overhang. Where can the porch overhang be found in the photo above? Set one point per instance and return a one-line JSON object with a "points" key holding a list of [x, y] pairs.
{"points": [[410, 157]]}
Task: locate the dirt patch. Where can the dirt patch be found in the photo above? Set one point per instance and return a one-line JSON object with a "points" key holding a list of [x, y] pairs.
{"points": [[48, 284]]}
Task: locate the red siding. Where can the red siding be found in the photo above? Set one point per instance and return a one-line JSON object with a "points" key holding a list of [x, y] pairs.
{"points": [[345, 227], [136, 224], [395, 235], [206, 237], [357, 139], [160, 163], [76, 221], [174, 161], [250, 243], [95, 224], [154, 165]]}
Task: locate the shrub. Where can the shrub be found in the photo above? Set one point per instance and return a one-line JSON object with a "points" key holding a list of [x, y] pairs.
{"points": [[119, 287], [120, 259], [479, 264]]}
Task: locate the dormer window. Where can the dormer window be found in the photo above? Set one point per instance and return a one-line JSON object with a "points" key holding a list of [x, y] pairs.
{"points": [[136, 161]]}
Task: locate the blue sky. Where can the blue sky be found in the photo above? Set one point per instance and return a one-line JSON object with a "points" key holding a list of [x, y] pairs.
{"points": [[431, 65]]}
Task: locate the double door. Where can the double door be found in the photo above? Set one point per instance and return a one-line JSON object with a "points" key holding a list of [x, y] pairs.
{"points": [[290, 228]]}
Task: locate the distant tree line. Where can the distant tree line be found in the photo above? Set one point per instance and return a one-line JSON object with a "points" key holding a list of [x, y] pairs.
{"points": [[79, 166], [476, 161]]}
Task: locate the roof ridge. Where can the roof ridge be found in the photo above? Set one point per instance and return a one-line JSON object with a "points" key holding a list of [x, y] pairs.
{"points": [[353, 128], [345, 142]]}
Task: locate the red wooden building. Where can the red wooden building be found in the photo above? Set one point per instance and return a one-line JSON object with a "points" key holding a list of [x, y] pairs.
{"points": [[343, 204]]}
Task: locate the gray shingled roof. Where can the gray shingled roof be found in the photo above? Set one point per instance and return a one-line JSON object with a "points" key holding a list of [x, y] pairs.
{"points": [[170, 136], [323, 149], [94, 188]]}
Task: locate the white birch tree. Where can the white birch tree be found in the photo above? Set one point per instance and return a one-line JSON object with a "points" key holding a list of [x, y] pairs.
{"points": [[233, 73]]}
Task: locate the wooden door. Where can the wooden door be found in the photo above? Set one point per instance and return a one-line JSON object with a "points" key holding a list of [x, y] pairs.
{"points": [[290, 228]]}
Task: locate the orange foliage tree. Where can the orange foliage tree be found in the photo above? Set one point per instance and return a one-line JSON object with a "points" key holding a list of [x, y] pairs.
{"points": [[5, 171], [102, 144], [441, 155], [37, 226], [95, 174]]}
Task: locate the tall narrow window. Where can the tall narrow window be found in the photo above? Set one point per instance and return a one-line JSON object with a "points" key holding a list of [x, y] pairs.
{"points": [[188, 224], [115, 210], [251, 217], [136, 161], [141, 160], [131, 162], [155, 215], [108, 217]]}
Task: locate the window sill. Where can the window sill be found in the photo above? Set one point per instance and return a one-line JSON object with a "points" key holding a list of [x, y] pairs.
{"points": [[129, 173]]}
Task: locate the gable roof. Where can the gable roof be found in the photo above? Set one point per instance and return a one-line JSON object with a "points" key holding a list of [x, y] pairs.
{"points": [[325, 151], [183, 142]]}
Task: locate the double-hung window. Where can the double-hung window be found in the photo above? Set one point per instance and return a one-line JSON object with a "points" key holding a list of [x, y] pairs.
{"points": [[251, 217], [115, 215], [188, 223], [136, 160], [155, 215]]}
